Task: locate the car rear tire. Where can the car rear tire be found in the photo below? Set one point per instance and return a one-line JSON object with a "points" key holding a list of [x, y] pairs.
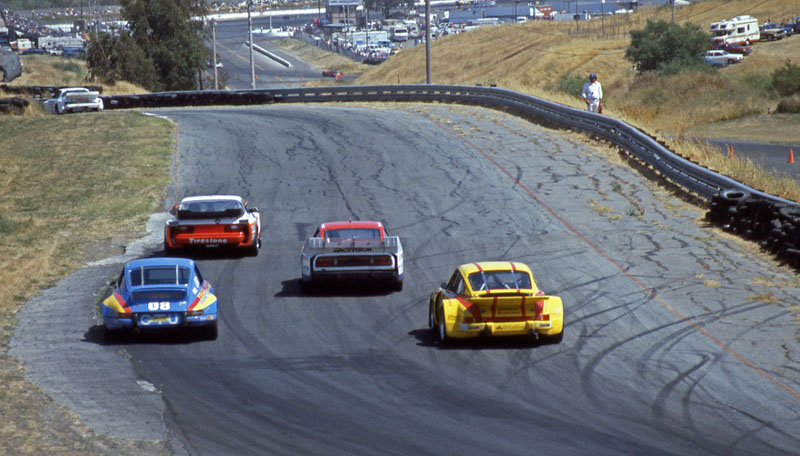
{"points": [[253, 250], [209, 332], [553, 339], [167, 250], [444, 339], [431, 318]]}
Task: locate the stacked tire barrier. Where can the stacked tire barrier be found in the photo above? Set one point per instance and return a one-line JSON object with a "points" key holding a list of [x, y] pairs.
{"points": [[775, 225], [41, 91], [196, 98], [13, 105]]}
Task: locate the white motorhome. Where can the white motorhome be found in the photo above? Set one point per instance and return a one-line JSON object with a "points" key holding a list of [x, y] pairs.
{"points": [[399, 33], [739, 30]]}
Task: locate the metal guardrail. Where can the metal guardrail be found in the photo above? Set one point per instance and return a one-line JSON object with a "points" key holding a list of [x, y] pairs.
{"points": [[691, 176]]}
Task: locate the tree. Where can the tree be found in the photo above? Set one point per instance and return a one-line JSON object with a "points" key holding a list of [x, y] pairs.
{"points": [[662, 46], [161, 49], [786, 80]]}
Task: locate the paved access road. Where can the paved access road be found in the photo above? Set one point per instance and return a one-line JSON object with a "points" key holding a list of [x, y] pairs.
{"points": [[679, 339]]}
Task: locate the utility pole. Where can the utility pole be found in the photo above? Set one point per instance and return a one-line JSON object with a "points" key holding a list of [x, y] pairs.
{"points": [[428, 41], [214, 42], [250, 41], [672, 5]]}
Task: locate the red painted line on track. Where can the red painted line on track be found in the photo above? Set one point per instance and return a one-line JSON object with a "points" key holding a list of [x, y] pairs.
{"points": [[647, 289]]}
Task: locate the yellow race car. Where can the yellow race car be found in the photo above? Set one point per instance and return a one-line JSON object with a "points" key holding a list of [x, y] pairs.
{"points": [[495, 298]]}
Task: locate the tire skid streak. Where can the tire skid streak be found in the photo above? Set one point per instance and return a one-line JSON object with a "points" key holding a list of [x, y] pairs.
{"points": [[683, 318]]}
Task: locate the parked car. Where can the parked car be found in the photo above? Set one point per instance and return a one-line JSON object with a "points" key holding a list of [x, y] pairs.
{"points": [[723, 56], [714, 63], [733, 48], [772, 31]]}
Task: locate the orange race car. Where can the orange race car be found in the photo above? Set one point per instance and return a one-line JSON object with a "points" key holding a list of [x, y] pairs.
{"points": [[213, 221]]}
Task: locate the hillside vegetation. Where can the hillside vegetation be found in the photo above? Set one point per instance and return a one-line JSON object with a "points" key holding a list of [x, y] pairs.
{"points": [[541, 57]]}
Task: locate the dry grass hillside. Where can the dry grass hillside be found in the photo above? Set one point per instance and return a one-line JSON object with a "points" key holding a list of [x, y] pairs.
{"points": [[536, 57], [57, 71]]}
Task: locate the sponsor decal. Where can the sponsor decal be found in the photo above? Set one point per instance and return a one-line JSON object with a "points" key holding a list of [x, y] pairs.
{"points": [[207, 241], [352, 249]]}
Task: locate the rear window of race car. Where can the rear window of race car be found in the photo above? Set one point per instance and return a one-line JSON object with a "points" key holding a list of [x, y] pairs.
{"points": [[210, 209], [499, 280], [353, 233], [170, 275], [148, 296]]}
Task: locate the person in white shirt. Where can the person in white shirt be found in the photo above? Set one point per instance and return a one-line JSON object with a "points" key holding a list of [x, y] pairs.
{"points": [[592, 94]]}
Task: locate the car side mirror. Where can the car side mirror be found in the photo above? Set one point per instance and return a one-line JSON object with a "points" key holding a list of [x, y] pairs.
{"points": [[112, 284], [443, 286], [252, 209]]}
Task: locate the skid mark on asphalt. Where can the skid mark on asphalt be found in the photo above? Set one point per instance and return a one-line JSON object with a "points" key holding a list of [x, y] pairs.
{"points": [[650, 292]]}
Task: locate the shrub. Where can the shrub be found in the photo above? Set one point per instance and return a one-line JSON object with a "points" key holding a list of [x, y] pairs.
{"points": [[68, 66], [789, 104], [571, 84], [786, 80], [668, 46], [757, 82]]}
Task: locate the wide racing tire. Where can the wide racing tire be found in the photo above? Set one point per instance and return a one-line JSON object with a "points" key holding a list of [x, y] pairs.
{"points": [[208, 332], [444, 339], [553, 338]]}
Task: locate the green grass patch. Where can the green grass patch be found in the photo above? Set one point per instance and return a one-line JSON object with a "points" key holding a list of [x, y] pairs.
{"points": [[70, 182]]}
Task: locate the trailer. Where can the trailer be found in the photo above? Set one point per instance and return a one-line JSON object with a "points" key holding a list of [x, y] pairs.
{"points": [[739, 30]]}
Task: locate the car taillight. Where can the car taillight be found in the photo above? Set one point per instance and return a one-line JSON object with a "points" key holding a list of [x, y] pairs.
{"points": [[186, 229], [382, 261], [193, 313], [236, 228], [124, 315], [325, 261]]}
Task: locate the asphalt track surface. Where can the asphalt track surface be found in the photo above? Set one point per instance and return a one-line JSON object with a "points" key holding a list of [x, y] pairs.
{"points": [[678, 340]]}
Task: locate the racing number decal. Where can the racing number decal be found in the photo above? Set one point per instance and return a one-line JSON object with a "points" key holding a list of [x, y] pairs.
{"points": [[164, 305]]}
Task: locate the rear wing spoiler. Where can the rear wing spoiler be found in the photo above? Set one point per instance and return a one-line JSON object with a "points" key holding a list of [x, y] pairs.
{"points": [[81, 97], [500, 298], [389, 244]]}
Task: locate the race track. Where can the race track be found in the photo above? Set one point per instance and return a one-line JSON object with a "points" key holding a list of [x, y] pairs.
{"points": [[678, 340]]}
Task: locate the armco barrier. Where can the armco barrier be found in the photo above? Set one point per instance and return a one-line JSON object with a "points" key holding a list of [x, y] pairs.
{"points": [[761, 214]]}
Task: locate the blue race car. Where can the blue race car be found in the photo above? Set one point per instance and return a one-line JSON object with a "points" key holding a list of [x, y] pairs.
{"points": [[161, 293]]}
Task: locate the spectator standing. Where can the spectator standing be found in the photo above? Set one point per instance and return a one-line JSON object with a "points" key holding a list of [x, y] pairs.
{"points": [[592, 94]]}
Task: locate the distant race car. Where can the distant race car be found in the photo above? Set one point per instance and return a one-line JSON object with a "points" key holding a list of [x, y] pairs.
{"points": [[353, 249], [74, 99], [213, 221], [496, 298], [161, 293], [332, 74]]}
